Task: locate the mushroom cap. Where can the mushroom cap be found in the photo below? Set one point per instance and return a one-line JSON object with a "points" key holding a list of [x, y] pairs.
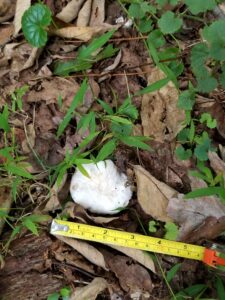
{"points": [[104, 191]]}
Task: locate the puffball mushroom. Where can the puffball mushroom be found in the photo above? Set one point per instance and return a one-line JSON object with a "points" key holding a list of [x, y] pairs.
{"points": [[104, 191]]}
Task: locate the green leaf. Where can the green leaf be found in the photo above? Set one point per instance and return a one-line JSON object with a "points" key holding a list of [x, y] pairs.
{"points": [[204, 145], [106, 107], [34, 24], [138, 10], [152, 226], [135, 141], [65, 292], [220, 288], [109, 51], [54, 296], [222, 76], [78, 99], [106, 150], [215, 39], [210, 122], [4, 119], [171, 231], [145, 25], [118, 119], [153, 87], [172, 272], [156, 38], [39, 218], [85, 57], [206, 84], [199, 6], [183, 154], [121, 129], [169, 23], [29, 224], [128, 109], [85, 122], [183, 135], [186, 100], [203, 192], [199, 56], [192, 291], [15, 169], [88, 139]]}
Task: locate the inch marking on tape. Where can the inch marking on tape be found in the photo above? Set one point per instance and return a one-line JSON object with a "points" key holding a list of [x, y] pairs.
{"points": [[137, 241]]}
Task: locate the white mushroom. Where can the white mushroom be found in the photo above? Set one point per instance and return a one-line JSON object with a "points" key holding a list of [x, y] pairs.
{"points": [[104, 191]]}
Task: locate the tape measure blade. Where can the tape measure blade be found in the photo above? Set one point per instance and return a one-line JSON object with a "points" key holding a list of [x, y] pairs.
{"points": [[126, 239]]}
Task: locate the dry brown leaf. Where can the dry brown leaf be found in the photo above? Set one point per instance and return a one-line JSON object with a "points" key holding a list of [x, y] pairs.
{"points": [[140, 256], [208, 230], [133, 278], [7, 10], [98, 12], [54, 203], [5, 34], [217, 164], [191, 213], [50, 90], [84, 14], [5, 203], [21, 7], [88, 251], [217, 111], [81, 33], [29, 142], [35, 53], [115, 63], [70, 11], [160, 115], [91, 291], [153, 195]]}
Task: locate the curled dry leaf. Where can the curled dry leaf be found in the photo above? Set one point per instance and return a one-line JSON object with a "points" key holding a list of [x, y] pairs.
{"points": [[7, 10], [84, 14], [70, 11], [153, 195], [208, 230], [191, 213], [82, 33], [76, 211], [218, 112], [21, 7], [88, 251], [5, 33], [141, 257], [91, 291], [160, 115], [133, 278], [54, 203], [35, 53], [217, 164], [98, 12], [29, 142]]}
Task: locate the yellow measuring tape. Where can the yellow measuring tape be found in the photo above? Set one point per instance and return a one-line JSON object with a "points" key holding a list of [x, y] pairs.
{"points": [[137, 241]]}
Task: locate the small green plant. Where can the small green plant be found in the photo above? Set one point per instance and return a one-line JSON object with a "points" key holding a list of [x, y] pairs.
{"points": [[64, 294], [35, 23], [17, 98], [117, 127], [191, 142], [87, 56]]}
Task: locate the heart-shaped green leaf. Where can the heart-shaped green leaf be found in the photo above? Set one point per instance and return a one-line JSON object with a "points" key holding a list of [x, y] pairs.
{"points": [[34, 23]]}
